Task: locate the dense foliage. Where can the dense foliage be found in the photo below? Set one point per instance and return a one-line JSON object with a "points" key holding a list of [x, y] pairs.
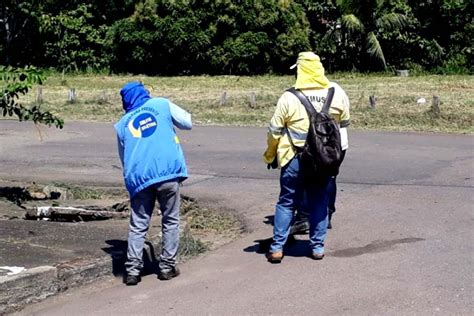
{"points": [[215, 37], [172, 37]]}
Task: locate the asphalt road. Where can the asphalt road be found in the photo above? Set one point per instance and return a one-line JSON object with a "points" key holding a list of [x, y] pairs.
{"points": [[402, 242]]}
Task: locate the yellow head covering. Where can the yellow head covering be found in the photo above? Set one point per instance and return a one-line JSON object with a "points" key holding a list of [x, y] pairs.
{"points": [[310, 73]]}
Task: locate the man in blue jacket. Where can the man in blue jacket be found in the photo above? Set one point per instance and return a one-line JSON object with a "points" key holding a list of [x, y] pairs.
{"points": [[153, 167]]}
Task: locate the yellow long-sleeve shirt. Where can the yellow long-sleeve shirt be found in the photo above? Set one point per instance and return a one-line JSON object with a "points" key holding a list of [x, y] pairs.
{"points": [[291, 118]]}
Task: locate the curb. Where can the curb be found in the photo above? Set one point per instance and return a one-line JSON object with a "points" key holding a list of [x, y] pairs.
{"points": [[82, 272], [36, 284], [39, 283], [31, 286]]}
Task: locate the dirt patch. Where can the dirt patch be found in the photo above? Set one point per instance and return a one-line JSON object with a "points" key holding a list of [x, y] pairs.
{"points": [[213, 227], [202, 228]]}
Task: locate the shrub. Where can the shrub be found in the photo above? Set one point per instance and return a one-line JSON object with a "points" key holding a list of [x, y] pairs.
{"points": [[216, 37], [71, 42]]}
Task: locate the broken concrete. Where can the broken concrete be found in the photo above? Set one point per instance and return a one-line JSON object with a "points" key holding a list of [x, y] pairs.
{"points": [[60, 256], [70, 214], [30, 286]]}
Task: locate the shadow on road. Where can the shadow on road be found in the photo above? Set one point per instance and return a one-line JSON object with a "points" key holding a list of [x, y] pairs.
{"points": [[373, 247], [293, 247], [118, 253]]}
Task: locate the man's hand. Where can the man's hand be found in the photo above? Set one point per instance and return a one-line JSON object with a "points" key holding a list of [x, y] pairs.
{"points": [[273, 165]]}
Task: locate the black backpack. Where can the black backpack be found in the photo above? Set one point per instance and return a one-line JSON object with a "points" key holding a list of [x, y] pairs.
{"points": [[322, 154]]}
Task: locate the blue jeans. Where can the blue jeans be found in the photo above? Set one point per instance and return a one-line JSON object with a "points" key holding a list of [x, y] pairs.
{"points": [[332, 189], [167, 194], [303, 216], [292, 190]]}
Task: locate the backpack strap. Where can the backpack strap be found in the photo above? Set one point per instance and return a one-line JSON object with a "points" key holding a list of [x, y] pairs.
{"points": [[309, 109], [308, 105], [304, 100], [327, 103]]}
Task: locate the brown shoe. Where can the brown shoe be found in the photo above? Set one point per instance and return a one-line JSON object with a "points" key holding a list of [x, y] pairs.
{"points": [[274, 257], [317, 256]]}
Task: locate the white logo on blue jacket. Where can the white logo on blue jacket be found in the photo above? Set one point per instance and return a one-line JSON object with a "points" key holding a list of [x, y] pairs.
{"points": [[144, 125]]}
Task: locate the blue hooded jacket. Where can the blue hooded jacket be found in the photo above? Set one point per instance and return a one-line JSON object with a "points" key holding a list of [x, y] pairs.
{"points": [[148, 145], [133, 95]]}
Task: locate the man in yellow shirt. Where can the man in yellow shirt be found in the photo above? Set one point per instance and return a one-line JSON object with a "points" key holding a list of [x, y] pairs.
{"points": [[288, 129]]}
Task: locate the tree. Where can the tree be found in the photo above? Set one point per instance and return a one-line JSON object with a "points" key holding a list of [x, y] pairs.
{"points": [[363, 21], [448, 27], [18, 30], [17, 82], [43, 32], [175, 37], [71, 41], [325, 36]]}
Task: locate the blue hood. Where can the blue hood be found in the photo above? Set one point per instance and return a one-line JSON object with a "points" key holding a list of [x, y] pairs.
{"points": [[133, 95]]}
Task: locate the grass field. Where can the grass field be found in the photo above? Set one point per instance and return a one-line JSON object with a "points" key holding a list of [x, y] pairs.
{"points": [[396, 99]]}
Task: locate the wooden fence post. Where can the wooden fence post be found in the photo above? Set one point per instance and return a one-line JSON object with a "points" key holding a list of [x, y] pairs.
{"points": [[253, 100], [223, 99], [372, 100], [435, 105], [39, 95], [103, 97], [71, 96]]}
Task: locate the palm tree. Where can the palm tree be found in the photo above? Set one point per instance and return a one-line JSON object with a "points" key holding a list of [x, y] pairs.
{"points": [[365, 19]]}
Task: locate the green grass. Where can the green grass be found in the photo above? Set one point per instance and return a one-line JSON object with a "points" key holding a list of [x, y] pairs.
{"points": [[191, 246], [205, 228], [201, 219], [80, 192], [397, 109]]}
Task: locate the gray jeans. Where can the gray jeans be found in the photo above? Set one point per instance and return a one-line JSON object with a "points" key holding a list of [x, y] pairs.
{"points": [[143, 203]]}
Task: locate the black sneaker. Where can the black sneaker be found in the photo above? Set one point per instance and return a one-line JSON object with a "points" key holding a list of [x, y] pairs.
{"points": [[133, 280], [300, 228], [168, 275]]}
